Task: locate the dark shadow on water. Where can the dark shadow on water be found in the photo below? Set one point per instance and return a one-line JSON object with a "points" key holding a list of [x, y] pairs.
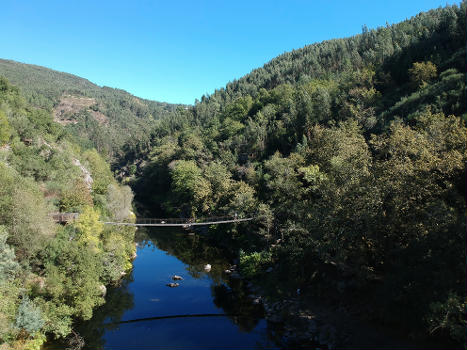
{"points": [[231, 316]]}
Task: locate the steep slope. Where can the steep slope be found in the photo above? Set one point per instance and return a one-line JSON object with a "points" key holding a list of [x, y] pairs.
{"points": [[352, 152], [437, 35], [99, 117], [51, 274]]}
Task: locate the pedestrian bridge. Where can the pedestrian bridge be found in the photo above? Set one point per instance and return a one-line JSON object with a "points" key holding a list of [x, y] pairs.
{"points": [[181, 222]]}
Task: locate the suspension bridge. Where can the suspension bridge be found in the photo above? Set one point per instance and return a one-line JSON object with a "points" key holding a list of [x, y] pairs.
{"points": [[181, 222], [65, 218]]}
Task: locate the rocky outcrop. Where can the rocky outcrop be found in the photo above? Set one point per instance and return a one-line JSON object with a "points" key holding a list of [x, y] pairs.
{"points": [[87, 178], [103, 290]]}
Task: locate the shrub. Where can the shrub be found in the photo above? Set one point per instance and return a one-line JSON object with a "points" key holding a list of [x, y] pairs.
{"points": [[250, 264], [29, 317]]}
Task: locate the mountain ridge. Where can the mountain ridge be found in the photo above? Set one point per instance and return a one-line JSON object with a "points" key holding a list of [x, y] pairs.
{"points": [[116, 117]]}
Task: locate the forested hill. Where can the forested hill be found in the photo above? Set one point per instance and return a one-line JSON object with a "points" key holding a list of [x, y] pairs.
{"points": [[437, 35], [100, 117], [353, 153], [52, 275]]}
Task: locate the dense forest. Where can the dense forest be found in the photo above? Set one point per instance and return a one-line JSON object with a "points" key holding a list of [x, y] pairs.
{"points": [[351, 153], [98, 117], [50, 274]]}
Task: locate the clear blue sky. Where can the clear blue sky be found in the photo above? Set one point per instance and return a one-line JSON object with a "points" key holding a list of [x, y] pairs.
{"points": [[176, 51]]}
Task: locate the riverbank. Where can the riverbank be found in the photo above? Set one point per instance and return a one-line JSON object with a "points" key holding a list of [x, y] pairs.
{"points": [[207, 309], [300, 319]]}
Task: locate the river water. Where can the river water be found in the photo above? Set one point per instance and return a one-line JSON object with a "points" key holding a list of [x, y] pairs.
{"points": [[133, 316]]}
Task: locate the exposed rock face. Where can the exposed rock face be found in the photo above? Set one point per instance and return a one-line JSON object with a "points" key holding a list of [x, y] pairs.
{"points": [[86, 174]]}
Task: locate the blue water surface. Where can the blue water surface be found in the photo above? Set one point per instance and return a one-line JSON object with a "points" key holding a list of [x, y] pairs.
{"points": [[148, 296]]}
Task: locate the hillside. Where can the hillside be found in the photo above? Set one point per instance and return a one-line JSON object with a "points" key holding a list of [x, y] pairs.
{"points": [[438, 36], [353, 154], [52, 275], [99, 117]]}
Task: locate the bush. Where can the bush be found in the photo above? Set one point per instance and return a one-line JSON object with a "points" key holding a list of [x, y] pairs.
{"points": [[8, 264], [5, 129], [449, 316], [251, 264], [76, 197], [29, 317]]}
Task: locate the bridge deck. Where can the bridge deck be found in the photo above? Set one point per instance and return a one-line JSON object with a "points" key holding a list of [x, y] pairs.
{"points": [[176, 224], [65, 218]]}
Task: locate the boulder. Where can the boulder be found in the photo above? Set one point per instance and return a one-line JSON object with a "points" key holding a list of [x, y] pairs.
{"points": [[103, 290]]}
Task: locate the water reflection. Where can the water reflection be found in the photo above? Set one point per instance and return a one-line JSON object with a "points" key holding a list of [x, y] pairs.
{"points": [[144, 297], [228, 294], [238, 306], [105, 318]]}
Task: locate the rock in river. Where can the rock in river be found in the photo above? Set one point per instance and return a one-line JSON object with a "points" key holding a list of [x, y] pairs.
{"points": [[172, 285]]}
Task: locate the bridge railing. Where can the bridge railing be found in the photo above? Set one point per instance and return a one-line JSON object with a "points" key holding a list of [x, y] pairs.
{"points": [[153, 221]]}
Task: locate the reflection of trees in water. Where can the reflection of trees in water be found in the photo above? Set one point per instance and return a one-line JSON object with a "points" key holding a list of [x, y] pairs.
{"points": [[105, 317], [234, 301], [118, 300], [193, 250], [196, 251]]}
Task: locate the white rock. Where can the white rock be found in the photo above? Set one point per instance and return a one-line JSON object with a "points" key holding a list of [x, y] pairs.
{"points": [[103, 290]]}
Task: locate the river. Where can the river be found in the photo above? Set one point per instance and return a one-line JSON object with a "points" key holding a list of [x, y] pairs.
{"points": [[133, 316]]}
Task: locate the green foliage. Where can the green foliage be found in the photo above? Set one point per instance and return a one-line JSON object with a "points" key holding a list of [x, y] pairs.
{"points": [[118, 202], [352, 152], [75, 197], [9, 297], [254, 263], [51, 275], [89, 228], [449, 316], [8, 265], [23, 212], [422, 72], [100, 170], [29, 317], [111, 119], [5, 129]]}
